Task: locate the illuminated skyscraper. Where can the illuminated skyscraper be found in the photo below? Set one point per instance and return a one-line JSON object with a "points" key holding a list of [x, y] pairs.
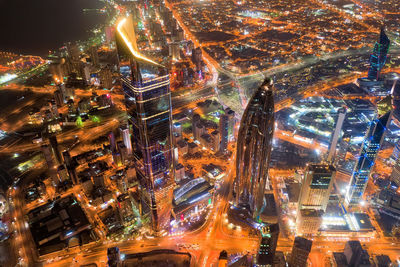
{"points": [[395, 175], [269, 241], [126, 137], [148, 101], [369, 149], [378, 57], [254, 148], [344, 146], [317, 186], [336, 134]]}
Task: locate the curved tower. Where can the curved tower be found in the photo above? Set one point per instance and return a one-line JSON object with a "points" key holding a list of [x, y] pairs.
{"points": [[254, 148]]}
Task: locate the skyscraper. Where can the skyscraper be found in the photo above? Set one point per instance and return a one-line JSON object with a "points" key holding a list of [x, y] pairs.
{"points": [[174, 50], [301, 249], [47, 156], [224, 132], [106, 77], [254, 148], [148, 102], [373, 83], [70, 166], [369, 149], [396, 151], [195, 121], [55, 149], [94, 55], [269, 241], [378, 57], [126, 137], [344, 146], [396, 99], [317, 185], [336, 134], [223, 259], [395, 175], [111, 139], [232, 121], [355, 254]]}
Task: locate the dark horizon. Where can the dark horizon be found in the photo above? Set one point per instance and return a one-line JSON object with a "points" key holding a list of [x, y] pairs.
{"points": [[45, 25]]}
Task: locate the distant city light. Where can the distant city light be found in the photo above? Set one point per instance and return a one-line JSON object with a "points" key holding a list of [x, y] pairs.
{"points": [[7, 77]]}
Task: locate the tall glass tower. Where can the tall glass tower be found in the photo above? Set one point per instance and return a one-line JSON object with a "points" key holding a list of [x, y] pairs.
{"points": [[369, 149], [254, 148], [148, 102], [378, 57]]}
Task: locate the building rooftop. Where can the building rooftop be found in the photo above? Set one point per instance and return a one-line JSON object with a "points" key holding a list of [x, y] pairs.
{"points": [[321, 168], [383, 260], [360, 222], [293, 190], [303, 243], [158, 258], [340, 259], [311, 213]]}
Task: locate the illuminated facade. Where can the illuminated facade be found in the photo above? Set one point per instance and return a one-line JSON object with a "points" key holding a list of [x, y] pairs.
{"points": [[126, 137], [336, 134], [369, 149], [344, 146], [395, 175], [378, 57], [317, 186], [148, 102], [254, 148]]}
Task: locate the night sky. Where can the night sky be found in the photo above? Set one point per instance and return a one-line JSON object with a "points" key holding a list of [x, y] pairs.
{"points": [[36, 26]]}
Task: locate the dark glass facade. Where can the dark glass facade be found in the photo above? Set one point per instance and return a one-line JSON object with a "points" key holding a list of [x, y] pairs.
{"points": [[321, 180], [369, 149], [254, 148], [378, 57], [300, 251], [148, 103]]}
